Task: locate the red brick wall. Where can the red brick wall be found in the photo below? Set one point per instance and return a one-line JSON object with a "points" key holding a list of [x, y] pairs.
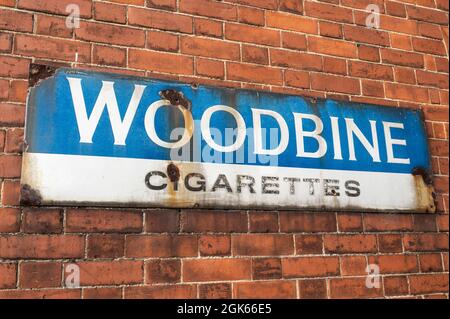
{"points": [[310, 48]]}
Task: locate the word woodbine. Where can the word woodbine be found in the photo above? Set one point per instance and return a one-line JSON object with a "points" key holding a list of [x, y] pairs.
{"points": [[140, 142]]}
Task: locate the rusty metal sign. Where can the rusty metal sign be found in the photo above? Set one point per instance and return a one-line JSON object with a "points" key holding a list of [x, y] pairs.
{"points": [[110, 140]]}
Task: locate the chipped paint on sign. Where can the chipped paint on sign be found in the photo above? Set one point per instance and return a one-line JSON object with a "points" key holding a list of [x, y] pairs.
{"points": [[101, 139]]}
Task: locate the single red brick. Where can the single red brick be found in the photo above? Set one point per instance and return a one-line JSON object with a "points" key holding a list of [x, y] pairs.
{"points": [[161, 292], [210, 48], [14, 140], [252, 34], [291, 6], [46, 47], [353, 265], [18, 91], [262, 245], [216, 269], [215, 291], [328, 12], [255, 54], [8, 274], [111, 34], [9, 220], [208, 27], [307, 222], [163, 4], [110, 12], [389, 264], [10, 166], [16, 21], [349, 222], [308, 244], [209, 8], [105, 246], [45, 221], [251, 15], [53, 26], [332, 47], [12, 67], [10, 193], [296, 60], [370, 70], [160, 62], [368, 53], [430, 262], [390, 243], [162, 41], [388, 222], [334, 65], [93, 220], [395, 285], [102, 293], [338, 84], [117, 272], [5, 42], [263, 222], [421, 284], [266, 268], [41, 294], [163, 271], [41, 246], [40, 274], [310, 267], [214, 221], [214, 245], [57, 6], [406, 92], [265, 290], [352, 288], [356, 243], [109, 55], [138, 246], [403, 58], [425, 242], [294, 41], [313, 289], [162, 221]]}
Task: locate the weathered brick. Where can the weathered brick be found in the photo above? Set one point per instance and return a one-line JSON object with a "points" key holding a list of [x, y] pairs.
{"points": [[138, 246], [92, 220], [216, 269], [265, 289], [310, 267], [41, 246], [307, 222], [43, 221], [350, 243], [262, 245], [40, 274]]}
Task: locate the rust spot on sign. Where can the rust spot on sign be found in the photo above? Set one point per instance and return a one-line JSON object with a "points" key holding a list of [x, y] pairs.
{"points": [[39, 72], [173, 173], [30, 196], [424, 190], [175, 98]]}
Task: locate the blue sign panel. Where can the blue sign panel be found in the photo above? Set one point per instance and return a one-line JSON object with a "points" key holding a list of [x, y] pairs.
{"points": [[178, 145]]}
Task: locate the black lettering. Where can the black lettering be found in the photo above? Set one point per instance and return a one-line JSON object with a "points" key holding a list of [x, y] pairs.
{"points": [[311, 182], [249, 184], [222, 182], [155, 187], [352, 191], [266, 185], [292, 181], [331, 190], [201, 184]]}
